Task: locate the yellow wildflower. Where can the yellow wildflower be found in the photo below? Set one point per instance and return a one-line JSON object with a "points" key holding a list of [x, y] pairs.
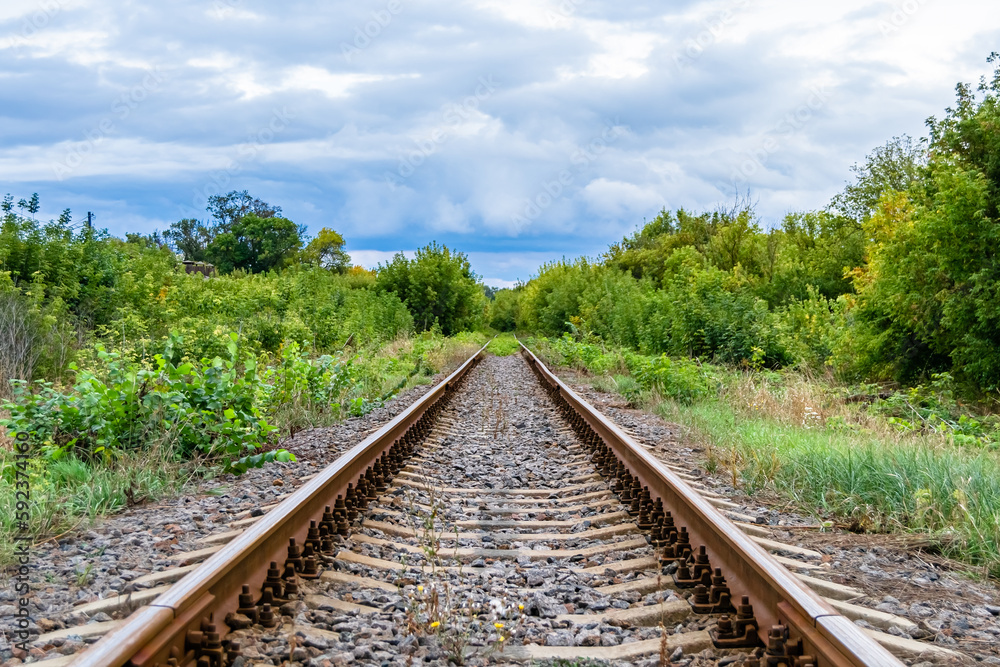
{"points": [[498, 625], [435, 624]]}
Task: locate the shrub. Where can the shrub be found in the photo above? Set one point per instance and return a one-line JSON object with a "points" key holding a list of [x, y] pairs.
{"points": [[504, 345], [208, 408], [683, 380]]}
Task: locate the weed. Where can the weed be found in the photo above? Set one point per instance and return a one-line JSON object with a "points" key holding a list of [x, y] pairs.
{"points": [[664, 656], [913, 460], [604, 384], [629, 388], [711, 462], [457, 619], [493, 413], [504, 345], [83, 576], [873, 483], [69, 492]]}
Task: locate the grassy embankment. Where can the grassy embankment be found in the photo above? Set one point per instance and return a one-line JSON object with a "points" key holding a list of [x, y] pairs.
{"points": [[73, 487], [915, 461]]}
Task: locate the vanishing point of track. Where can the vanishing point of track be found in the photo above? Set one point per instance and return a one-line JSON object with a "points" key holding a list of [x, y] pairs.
{"points": [[562, 539]]}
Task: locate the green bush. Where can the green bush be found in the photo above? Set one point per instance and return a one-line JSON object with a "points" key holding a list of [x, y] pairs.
{"points": [[208, 408], [586, 356], [504, 345], [629, 388], [683, 380], [933, 409], [296, 391], [438, 287], [808, 330]]}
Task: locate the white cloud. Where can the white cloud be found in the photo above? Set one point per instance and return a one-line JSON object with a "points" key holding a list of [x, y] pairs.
{"points": [[370, 259], [703, 86], [500, 283], [618, 199]]}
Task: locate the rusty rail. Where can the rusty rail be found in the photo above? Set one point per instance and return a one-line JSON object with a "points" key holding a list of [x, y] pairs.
{"points": [[790, 618], [178, 618]]}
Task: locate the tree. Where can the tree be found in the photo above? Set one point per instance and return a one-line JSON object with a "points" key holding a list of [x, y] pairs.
{"points": [[437, 286], [929, 299], [190, 238], [153, 240], [733, 243], [31, 205], [504, 309], [255, 244], [327, 250], [229, 208], [894, 166]]}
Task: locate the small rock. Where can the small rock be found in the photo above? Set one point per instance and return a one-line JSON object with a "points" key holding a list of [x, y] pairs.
{"points": [[407, 645], [48, 625], [588, 637], [341, 659], [238, 621], [293, 607], [543, 606], [559, 638]]}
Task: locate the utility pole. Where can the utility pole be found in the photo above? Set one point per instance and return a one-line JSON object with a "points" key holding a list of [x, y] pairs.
{"points": [[90, 220]]}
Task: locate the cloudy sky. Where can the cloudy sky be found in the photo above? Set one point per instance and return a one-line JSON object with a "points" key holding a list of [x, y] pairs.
{"points": [[518, 131]]}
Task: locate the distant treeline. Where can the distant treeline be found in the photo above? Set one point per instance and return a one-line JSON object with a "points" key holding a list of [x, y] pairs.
{"points": [[897, 278], [66, 286]]}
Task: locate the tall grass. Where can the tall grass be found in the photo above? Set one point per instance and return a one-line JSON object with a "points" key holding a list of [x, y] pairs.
{"points": [[71, 493], [867, 477], [504, 345], [858, 461]]}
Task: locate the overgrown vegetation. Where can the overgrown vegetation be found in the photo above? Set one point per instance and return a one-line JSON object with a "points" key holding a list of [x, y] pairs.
{"points": [[911, 459], [504, 345], [116, 360], [847, 358], [894, 281], [128, 432]]}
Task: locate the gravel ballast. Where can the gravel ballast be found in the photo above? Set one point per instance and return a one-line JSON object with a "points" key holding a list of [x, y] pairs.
{"points": [[497, 528]]}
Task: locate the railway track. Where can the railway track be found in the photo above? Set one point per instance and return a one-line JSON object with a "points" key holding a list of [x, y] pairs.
{"points": [[500, 518]]}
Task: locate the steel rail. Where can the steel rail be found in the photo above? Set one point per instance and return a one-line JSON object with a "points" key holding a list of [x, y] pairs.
{"points": [[148, 635], [778, 597]]}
